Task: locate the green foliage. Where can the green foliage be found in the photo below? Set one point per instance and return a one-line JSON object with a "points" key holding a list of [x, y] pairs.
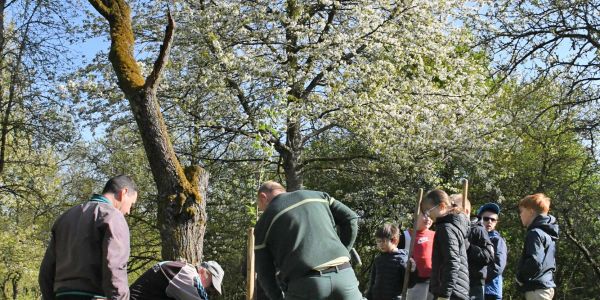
{"points": [[545, 154], [411, 111]]}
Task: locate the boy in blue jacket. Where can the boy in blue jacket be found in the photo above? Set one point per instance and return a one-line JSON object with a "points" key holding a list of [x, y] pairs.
{"points": [[488, 214], [535, 273]]}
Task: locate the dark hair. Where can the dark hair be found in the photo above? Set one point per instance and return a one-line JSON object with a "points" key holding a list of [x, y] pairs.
{"points": [[118, 183], [387, 231], [436, 197]]}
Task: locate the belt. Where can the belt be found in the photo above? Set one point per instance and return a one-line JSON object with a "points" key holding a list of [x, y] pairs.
{"points": [[336, 269]]}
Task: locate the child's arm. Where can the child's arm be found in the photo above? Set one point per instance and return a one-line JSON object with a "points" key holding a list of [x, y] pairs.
{"points": [[533, 256], [481, 249], [413, 275], [499, 260]]}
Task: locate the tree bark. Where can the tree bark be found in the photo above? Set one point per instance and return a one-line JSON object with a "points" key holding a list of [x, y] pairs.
{"points": [[3, 130], [181, 192], [15, 286], [293, 175]]}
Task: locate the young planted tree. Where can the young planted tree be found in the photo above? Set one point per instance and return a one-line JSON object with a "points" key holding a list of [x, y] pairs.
{"points": [[181, 191]]}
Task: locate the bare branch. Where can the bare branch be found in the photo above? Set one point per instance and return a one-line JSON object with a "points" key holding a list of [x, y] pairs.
{"points": [[104, 10], [163, 56], [318, 132], [334, 159]]}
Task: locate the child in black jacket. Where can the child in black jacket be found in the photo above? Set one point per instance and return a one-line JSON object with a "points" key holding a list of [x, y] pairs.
{"points": [[387, 271], [449, 267]]}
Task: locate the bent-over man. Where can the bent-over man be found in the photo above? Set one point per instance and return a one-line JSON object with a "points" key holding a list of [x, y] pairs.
{"points": [[178, 280], [296, 236]]}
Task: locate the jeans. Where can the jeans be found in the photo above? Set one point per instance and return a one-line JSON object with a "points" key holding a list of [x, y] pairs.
{"points": [[419, 292]]}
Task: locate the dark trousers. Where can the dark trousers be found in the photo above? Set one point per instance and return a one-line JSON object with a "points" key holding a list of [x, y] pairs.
{"points": [[340, 285], [476, 292]]}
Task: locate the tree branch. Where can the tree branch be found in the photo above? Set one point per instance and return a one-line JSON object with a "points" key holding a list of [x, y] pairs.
{"points": [[104, 10], [341, 158], [128, 72], [163, 55], [584, 250], [317, 132], [314, 82]]}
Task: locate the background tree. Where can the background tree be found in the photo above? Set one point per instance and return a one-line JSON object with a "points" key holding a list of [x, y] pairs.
{"points": [[547, 40], [397, 100], [34, 131], [283, 74], [181, 193], [545, 154]]}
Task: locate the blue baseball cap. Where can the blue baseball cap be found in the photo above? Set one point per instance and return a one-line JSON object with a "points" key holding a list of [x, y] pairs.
{"points": [[493, 207]]}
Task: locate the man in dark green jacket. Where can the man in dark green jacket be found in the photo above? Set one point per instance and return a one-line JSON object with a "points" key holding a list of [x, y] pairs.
{"points": [[296, 236]]}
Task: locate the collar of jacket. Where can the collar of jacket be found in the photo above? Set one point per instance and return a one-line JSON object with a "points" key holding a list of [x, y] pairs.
{"points": [[100, 198]]}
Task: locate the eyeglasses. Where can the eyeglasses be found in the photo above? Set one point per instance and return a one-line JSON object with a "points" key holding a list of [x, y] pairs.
{"points": [[426, 213], [488, 219], [381, 241]]}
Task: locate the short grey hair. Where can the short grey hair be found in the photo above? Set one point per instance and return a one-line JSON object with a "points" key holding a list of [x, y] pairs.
{"points": [[270, 186]]}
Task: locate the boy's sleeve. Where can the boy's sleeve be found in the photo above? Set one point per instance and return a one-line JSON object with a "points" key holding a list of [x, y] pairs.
{"points": [[451, 258], [402, 272], [369, 293], [499, 261], [531, 262], [481, 248], [346, 220], [47, 271]]}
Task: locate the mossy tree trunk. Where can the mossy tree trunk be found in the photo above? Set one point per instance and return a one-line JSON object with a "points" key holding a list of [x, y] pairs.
{"points": [[181, 191]]}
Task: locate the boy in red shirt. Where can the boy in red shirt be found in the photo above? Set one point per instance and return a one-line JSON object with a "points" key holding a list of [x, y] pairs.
{"points": [[422, 256]]}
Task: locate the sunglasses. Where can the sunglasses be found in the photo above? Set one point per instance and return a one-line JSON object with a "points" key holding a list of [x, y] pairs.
{"points": [[488, 219]]}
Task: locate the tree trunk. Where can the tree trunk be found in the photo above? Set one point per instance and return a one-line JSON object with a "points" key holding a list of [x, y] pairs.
{"points": [[293, 176], [181, 193], [15, 286], [291, 154]]}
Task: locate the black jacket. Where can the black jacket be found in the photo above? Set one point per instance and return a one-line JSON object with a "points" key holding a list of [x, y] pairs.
{"points": [[537, 263], [449, 270], [387, 276], [480, 253]]}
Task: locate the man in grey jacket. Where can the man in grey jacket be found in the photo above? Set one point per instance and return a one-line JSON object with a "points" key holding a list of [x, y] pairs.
{"points": [[89, 247]]}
